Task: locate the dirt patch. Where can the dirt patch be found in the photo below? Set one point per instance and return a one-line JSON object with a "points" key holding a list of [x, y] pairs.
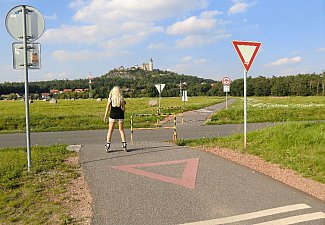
{"points": [[286, 176], [79, 196]]}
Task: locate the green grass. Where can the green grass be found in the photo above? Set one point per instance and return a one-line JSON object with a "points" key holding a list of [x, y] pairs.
{"points": [[298, 146], [35, 197], [85, 114], [268, 109]]}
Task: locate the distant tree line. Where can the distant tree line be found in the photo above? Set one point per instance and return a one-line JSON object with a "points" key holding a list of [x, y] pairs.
{"points": [[140, 83]]}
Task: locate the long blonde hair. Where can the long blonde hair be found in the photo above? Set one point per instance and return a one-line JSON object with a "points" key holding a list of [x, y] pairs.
{"points": [[115, 97]]}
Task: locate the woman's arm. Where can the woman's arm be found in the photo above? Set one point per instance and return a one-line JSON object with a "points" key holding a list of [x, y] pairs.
{"points": [[107, 109], [123, 103]]}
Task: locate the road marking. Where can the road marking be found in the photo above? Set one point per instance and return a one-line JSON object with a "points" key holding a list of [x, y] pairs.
{"points": [[252, 215], [188, 177], [296, 219]]}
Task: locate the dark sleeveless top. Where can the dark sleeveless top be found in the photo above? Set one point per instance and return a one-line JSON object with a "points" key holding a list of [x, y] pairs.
{"points": [[116, 112]]}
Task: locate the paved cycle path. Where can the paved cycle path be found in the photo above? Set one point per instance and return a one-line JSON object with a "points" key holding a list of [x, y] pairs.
{"points": [[158, 182]]}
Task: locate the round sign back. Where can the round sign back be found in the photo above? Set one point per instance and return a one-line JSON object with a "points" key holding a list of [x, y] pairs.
{"points": [[34, 23]]}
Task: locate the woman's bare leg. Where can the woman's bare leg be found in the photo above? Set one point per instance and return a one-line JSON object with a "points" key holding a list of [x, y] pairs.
{"points": [[121, 129], [110, 131]]}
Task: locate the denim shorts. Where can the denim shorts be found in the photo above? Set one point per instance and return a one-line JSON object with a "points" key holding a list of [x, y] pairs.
{"points": [[115, 120]]}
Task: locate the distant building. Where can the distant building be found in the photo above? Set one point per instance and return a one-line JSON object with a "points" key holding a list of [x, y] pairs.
{"points": [[54, 91], [79, 90], [67, 90], [46, 96], [148, 65]]}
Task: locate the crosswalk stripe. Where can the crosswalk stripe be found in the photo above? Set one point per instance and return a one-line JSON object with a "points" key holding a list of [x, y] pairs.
{"points": [[252, 215], [296, 219]]}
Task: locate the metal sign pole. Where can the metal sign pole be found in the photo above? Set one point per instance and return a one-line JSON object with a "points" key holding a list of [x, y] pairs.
{"points": [[29, 158], [245, 111], [159, 94], [226, 100]]}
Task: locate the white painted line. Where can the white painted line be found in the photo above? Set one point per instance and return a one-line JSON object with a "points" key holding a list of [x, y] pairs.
{"points": [[296, 219], [252, 215]]}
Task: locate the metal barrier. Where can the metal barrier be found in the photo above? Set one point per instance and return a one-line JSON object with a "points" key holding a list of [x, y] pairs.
{"points": [[154, 128], [172, 107]]}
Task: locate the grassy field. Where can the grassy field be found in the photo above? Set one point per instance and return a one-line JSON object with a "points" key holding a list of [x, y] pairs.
{"points": [[35, 197], [296, 145], [86, 114], [271, 109]]}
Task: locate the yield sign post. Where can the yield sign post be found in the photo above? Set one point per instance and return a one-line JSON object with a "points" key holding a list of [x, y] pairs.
{"points": [[159, 87], [247, 51]]}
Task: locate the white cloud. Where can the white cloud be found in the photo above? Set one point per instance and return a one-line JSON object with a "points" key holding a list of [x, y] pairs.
{"points": [[188, 64], [285, 61], [72, 34], [136, 10], [199, 40], [77, 4], [190, 60], [68, 56], [52, 17], [193, 25], [58, 76], [239, 7], [199, 30], [187, 59], [156, 46], [201, 61], [65, 56], [320, 50], [120, 24], [128, 39]]}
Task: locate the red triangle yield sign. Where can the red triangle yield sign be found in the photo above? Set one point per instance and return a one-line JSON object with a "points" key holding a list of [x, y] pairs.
{"points": [[246, 50], [187, 180]]}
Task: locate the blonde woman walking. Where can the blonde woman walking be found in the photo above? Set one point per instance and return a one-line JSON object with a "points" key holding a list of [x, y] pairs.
{"points": [[116, 106]]}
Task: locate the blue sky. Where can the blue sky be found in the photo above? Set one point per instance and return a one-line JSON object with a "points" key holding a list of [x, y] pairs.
{"points": [[185, 36]]}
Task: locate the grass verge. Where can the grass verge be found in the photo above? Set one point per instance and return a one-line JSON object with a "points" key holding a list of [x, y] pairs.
{"points": [[271, 109], [38, 196], [298, 146]]}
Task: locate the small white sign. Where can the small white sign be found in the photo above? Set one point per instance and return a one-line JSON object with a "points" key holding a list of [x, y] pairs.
{"points": [[160, 87], [226, 88], [184, 96], [33, 55]]}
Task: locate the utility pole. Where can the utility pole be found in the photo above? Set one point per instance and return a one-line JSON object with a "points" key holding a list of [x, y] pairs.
{"points": [[180, 88], [90, 78], [323, 83]]}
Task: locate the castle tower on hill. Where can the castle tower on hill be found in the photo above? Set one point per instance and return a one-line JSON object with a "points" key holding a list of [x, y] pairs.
{"points": [[148, 65]]}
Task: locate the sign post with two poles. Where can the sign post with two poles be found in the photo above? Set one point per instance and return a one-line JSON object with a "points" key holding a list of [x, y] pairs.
{"points": [[26, 24], [247, 51], [226, 88]]}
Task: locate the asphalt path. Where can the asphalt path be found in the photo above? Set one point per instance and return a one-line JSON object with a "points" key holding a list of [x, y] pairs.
{"points": [[157, 182]]}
